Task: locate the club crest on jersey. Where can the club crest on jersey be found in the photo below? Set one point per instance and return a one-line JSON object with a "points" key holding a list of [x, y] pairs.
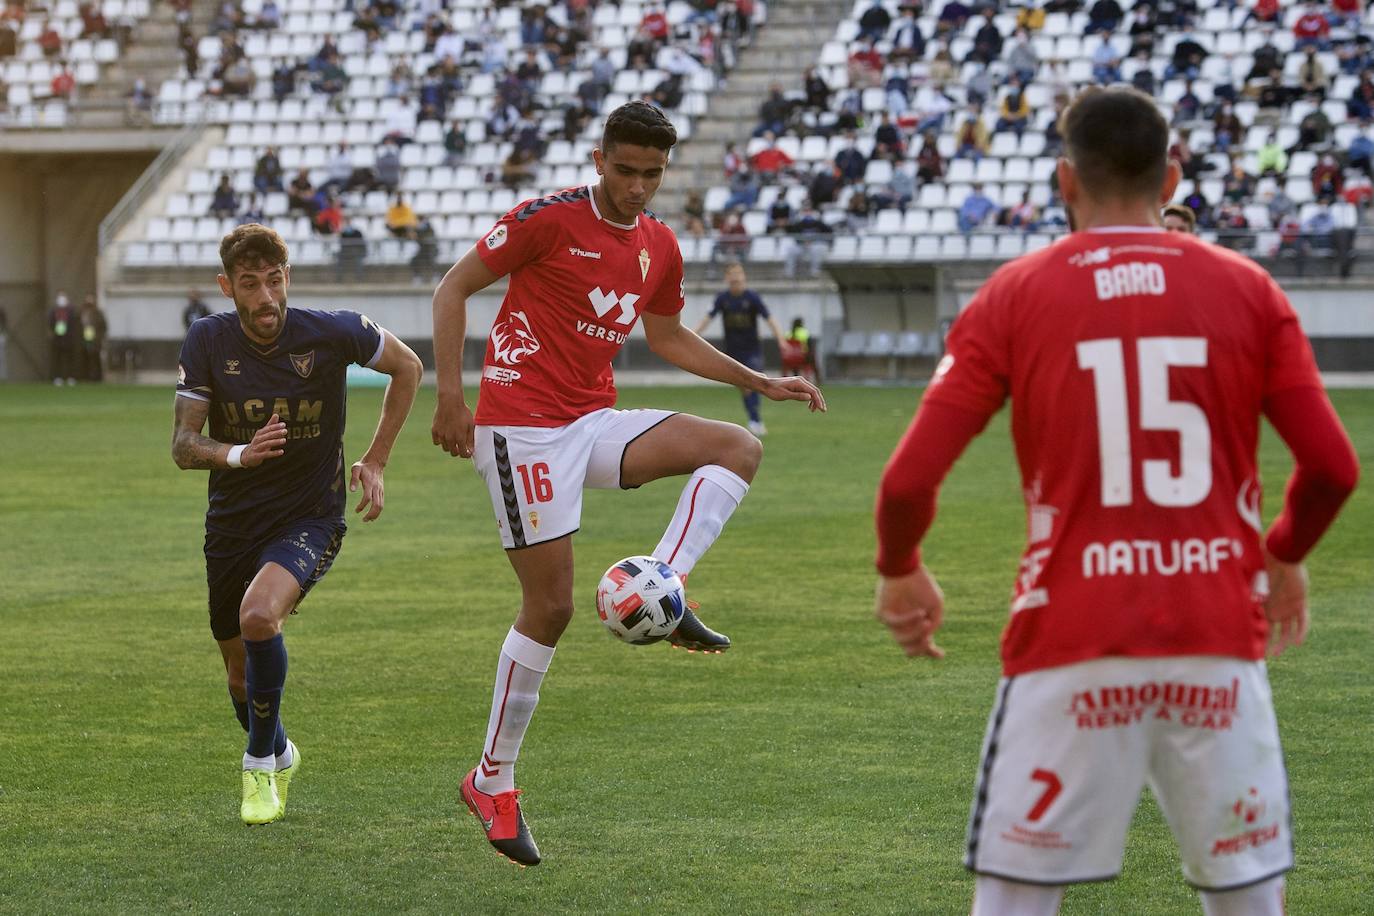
{"points": [[303, 363], [643, 263], [513, 340], [497, 238]]}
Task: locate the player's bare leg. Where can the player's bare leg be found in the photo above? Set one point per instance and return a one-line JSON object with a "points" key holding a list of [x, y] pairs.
{"points": [[270, 597], [1000, 897], [722, 460], [545, 572], [1263, 899]]}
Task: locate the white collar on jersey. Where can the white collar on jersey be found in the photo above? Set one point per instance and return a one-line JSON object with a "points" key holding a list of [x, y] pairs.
{"points": [[591, 197], [1120, 229]]}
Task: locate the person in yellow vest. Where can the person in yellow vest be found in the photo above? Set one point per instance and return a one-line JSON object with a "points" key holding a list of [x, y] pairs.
{"points": [[798, 356]]}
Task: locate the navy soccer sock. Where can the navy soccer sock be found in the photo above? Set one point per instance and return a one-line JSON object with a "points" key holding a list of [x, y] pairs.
{"points": [[241, 711], [266, 676], [751, 406]]}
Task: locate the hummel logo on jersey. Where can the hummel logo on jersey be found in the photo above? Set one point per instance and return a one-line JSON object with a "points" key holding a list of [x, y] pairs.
{"points": [[231, 367], [596, 255], [604, 302]]}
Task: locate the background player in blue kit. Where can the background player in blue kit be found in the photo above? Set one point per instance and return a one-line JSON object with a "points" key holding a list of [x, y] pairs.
{"points": [[272, 384], [740, 309]]}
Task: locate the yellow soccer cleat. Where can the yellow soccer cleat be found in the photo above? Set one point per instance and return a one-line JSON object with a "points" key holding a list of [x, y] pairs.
{"points": [[260, 802], [284, 776]]}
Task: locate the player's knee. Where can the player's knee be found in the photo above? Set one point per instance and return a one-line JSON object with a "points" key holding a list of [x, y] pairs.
{"points": [[256, 621], [741, 453]]}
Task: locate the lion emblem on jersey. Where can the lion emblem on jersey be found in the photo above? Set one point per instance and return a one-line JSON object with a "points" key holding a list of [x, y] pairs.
{"points": [[513, 340]]}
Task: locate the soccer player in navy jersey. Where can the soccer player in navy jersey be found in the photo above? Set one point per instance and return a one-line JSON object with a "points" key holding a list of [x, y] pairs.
{"points": [[740, 309], [271, 382]]}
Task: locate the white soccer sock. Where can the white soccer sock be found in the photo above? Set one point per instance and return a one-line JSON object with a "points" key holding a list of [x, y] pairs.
{"points": [[518, 674], [706, 503], [999, 897], [268, 763], [1263, 899], [288, 757]]}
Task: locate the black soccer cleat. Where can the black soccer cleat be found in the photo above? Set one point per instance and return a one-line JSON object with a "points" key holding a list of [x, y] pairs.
{"points": [[694, 636]]}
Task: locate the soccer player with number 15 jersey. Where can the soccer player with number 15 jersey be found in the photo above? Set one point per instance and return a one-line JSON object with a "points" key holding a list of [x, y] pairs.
{"points": [[585, 266], [1138, 364]]}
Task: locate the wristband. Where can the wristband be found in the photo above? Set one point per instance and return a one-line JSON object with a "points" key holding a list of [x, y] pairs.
{"points": [[235, 458]]}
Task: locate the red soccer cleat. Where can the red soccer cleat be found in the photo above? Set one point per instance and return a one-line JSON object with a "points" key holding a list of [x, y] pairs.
{"points": [[501, 819]]}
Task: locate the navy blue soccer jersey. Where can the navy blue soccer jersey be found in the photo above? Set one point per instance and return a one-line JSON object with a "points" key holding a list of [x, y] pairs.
{"points": [[740, 317], [301, 376]]}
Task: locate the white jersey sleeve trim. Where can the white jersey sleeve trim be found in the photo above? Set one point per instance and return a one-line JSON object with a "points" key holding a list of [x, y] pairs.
{"points": [[381, 345], [192, 396]]}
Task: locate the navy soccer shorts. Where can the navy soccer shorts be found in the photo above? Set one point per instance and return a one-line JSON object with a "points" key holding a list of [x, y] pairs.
{"points": [[306, 549]]}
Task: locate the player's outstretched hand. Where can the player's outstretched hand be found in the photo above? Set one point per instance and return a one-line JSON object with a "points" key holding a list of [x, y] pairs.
{"points": [[913, 607], [369, 477], [1286, 606], [268, 442], [453, 428], [793, 388]]}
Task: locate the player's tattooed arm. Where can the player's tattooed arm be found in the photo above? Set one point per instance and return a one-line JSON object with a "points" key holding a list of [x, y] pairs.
{"points": [[193, 452]]}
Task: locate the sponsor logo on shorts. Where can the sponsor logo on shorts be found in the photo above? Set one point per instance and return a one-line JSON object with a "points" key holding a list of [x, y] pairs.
{"points": [[1038, 839], [1212, 707], [1245, 831], [534, 520]]}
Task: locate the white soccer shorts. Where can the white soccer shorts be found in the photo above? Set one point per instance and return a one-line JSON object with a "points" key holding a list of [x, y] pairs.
{"points": [[1069, 749], [535, 475]]}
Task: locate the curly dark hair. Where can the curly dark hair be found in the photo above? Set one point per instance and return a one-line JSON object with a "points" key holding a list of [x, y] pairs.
{"points": [[640, 124], [252, 245]]}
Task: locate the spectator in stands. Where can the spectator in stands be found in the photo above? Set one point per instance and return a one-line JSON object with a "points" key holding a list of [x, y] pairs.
{"points": [[932, 106], [224, 203], [1188, 107], [1104, 16], [976, 209], [1227, 128], [930, 165], [1360, 155], [1358, 191], [953, 15], [387, 166], [1187, 59], [866, 67], [1313, 130], [63, 83], [987, 41], [1266, 12], [1353, 56], [1344, 12], [888, 141], [93, 23], [424, 263], [1054, 140], [1312, 76], [941, 69], [300, 194], [817, 90], [1360, 105], [908, 42], [732, 239], [331, 79], [694, 209], [1015, 111], [809, 237], [874, 22], [352, 252], [267, 173], [1143, 30], [269, 16], [731, 161], [1271, 160], [252, 211], [850, 162], [1022, 59], [1312, 29], [1178, 218], [330, 216], [455, 144], [401, 81], [519, 169], [1273, 98], [63, 334], [774, 112], [1106, 62], [770, 162], [1266, 59], [898, 192], [1024, 216], [1238, 185], [1231, 226], [979, 87], [744, 189], [1030, 16], [824, 184], [1279, 205], [284, 81], [972, 138], [1195, 201], [1318, 228], [49, 41], [195, 309], [1327, 178]]}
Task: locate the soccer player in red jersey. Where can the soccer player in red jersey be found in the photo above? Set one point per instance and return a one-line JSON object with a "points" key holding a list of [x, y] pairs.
{"points": [[585, 265], [1138, 363]]}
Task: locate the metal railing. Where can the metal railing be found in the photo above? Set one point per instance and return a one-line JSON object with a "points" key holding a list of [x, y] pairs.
{"points": [[148, 182]]}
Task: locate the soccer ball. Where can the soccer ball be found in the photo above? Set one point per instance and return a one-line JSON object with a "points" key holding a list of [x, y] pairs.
{"points": [[640, 600]]}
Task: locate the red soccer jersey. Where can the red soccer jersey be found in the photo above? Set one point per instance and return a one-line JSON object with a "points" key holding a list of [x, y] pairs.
{"points": [[577, 286], [1136, 362]]}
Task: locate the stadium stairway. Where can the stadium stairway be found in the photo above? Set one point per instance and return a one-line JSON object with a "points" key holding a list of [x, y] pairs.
{"points": [[782, 49]]}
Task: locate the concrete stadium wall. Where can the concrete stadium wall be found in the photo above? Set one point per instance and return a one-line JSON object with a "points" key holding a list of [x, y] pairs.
{"points": [[51, 206]]}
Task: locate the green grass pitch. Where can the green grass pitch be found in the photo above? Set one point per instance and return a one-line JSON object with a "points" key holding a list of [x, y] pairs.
{"points": [[812, 769]]}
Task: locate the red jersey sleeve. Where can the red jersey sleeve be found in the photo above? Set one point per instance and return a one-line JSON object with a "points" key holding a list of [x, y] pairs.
{"points": [[975, 374], [520, 237], [1288, 362], [668, 299]]}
